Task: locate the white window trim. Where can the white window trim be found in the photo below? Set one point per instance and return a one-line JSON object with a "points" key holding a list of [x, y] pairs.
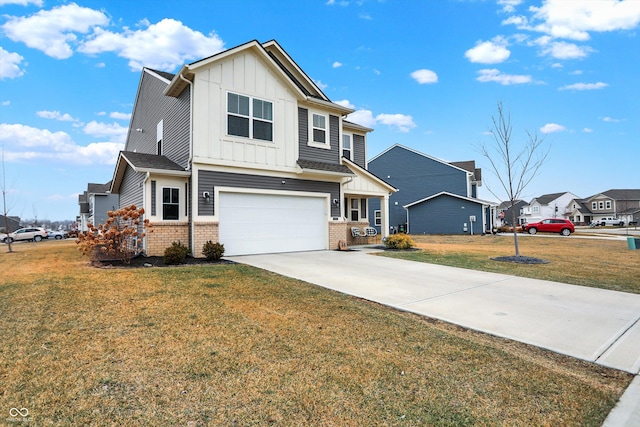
{"points": [[327, 144], [250, 117], [350, 135], [162, 202], [377, 217]]}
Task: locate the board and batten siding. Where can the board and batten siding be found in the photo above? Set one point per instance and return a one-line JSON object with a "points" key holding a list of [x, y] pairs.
{"points": [[131, 188], [248, 75], [445, 215], [152, 106], [207, 180], [359, 151]]}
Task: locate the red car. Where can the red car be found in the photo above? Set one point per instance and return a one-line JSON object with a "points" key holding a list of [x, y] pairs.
{"points": [[550, 225]]}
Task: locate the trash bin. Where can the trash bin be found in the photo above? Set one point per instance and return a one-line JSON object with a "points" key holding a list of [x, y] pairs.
{"points": [[633, 243], [402, 228]]}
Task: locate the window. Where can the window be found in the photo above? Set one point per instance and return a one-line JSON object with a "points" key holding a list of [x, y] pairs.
{"points": [[319, 129], [377, 218], [249, 119], [159, 136], [170, 203], [600, 205], [355, 209], [536, 209], [346, 147], [608, 204], [594, 206]]}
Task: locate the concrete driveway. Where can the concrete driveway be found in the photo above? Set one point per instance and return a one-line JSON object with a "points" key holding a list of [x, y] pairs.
{"points": [[597, 325]]}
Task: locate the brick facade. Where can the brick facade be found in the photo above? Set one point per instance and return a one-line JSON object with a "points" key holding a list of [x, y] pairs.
{"points": [[203, 232], [162, 234]]}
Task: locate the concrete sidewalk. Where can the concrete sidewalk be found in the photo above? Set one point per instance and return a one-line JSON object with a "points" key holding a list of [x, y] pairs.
{"points": [[597, 325]]}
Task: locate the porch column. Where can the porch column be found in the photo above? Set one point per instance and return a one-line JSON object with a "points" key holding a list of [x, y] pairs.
{"points": [[384, 213]]}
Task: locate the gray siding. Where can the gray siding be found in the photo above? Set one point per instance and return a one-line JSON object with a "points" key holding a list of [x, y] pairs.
{"points": [[131, 188], [417, 177], [445, 215], [104, 204], [151, 107], [208, 180], [313, 153], [359, 151]]}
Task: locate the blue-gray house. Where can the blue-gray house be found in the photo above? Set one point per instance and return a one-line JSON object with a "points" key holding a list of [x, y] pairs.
{"points": [[434, 196]]}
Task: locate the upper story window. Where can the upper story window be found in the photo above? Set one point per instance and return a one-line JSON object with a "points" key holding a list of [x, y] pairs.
{"points": [[600, 205], [170, 203], [347, 150], [608, 204], [536, 209], [319, 129], [159, 136], [249, 117], [594, 206]]}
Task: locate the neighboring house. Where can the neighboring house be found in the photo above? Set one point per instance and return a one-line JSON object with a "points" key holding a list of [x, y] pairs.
{"points": [[546, 206], [94, 205], [434, 196], [623, 204], [10, 223], [244, 149], [505, 212]]}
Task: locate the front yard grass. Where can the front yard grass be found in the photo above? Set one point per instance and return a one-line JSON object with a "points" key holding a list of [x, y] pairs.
{"points": [[232, 345], [597, 263]]}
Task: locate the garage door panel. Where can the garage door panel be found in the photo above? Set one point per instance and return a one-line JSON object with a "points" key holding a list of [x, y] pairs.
{"points": [[261, 223]]}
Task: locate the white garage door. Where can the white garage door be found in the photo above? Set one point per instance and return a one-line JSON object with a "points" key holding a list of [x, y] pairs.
{"points": [[264, 223]]}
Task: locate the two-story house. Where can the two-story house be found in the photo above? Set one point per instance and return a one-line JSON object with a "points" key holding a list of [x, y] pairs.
{"points": [[618, 203], [94, 203], [244, 149], [434, 196], [546, 206]]}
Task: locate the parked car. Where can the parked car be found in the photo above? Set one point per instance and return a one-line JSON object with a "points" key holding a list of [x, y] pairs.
{"points": [[550, 225], [609, 221], [32, 233], [56, 234]]}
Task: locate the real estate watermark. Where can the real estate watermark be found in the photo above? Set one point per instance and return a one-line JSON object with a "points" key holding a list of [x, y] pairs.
{"points": [[18, 415]]}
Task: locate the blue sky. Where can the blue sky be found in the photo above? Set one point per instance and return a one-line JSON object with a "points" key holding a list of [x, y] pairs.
{"points": [[424, 74]]}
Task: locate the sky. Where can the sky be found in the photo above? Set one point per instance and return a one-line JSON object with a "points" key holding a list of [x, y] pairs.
{"points": [[428, 75]]}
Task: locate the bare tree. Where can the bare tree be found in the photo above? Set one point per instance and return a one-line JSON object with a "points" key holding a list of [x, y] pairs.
{"points": [[514, 166]]}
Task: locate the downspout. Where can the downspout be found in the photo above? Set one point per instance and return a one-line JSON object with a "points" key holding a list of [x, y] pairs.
{"points": [[349, 179], [144, 193]]}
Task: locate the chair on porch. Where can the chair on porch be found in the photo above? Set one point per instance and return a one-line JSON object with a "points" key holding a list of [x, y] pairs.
{"points": [[370, 232], [357, 234]]}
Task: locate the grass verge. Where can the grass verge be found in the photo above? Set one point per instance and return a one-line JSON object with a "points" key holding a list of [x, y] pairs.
{"points": [[234, 345], [596, 263]]}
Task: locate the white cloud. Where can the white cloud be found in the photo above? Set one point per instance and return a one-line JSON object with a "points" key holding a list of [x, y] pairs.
{"points": [[587, 130], [54, 31], [362, 117], [56, 115], [337, 64], [365, 16], [6, 103], [345, 103], [489, 52], [552, 128], [611, 120], [120, 116], [25, 143], [509, 6], [494, 75], [164, 45], [564, 50], [10, 65], [100, 130], [425, 76], [575, 19], [21, 2], [584, 86], [403, 122], [321, 85]]}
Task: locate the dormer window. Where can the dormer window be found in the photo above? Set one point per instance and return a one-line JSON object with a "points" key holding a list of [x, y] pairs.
{"points": [[249, 117]]}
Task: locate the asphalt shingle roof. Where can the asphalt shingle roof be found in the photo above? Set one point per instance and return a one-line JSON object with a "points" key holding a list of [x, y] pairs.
{"points": [[324, 167], [151, 161]]}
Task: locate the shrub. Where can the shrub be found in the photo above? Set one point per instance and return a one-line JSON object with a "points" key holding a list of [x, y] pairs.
{"points": [[398, 241], [175, 254], [213, 251], [118, 238]]}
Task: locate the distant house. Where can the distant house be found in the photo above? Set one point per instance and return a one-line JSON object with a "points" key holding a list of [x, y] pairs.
{"points": [[94, 203], [243, 148], [553, 205], [619, 203], [10, 223], [434, 196], [505, 212]]}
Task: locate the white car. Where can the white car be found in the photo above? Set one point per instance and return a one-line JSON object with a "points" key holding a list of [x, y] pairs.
{"points": [[32, 233], [56, 234], [609, 221]]}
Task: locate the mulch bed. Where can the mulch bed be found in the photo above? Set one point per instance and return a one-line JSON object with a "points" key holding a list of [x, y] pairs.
{"points": [[521, 259], [142, 261]]}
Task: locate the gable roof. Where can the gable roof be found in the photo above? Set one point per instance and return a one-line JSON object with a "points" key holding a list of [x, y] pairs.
{"points": [[365, 173], [394, 146], [93, 188], [622, 194], [546, 198], [457, 196], [142, 162]]}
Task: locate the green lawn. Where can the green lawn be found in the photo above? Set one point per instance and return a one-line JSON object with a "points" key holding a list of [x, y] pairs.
{"points": [[232, 345]]}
